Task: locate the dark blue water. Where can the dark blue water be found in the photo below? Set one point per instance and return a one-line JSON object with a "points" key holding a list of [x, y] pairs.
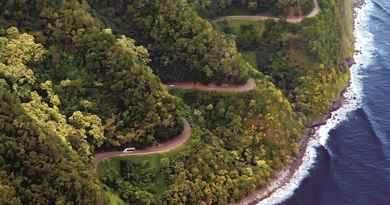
{"points": [[353, 168]]}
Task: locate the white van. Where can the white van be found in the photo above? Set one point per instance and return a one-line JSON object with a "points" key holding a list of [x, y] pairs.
{"points": [[129, 149]]}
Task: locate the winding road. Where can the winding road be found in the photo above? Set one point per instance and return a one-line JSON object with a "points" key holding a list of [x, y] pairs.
{"points": [[187, 130], [183, 137], [161, 148], [291, 19], [186, 133], [248, 86]]}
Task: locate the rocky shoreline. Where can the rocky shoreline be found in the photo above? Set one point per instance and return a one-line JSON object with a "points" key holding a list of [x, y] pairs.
{"points": [[285, 176], [357, 4]]}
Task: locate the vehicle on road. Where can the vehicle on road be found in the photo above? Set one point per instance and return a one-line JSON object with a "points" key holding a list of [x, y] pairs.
{"points": [[129, 149]]}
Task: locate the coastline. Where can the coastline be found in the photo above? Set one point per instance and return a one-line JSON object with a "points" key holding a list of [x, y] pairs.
{"points": [[285, 176]]}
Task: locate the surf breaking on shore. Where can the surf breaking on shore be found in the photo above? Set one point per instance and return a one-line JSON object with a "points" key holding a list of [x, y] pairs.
{"points": [[352, 101], [288, 180]]}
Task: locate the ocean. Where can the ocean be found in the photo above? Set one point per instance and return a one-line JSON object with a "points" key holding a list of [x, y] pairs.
{"points": [[348, 161]]}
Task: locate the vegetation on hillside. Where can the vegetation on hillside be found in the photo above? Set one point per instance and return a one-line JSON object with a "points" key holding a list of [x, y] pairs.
{"points": [[183, 46], [306, 61], [37, 160], [77, 76], [239, 142], [103, 81], [215, 8]]}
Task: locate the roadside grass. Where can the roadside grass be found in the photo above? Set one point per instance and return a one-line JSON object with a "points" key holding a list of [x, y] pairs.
{"points": [[307, 6], [235, 25], [113, 165], [236, 10], [154, 163]]}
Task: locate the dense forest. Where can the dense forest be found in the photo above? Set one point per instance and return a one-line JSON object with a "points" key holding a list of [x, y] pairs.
{"points": [[84, 76], [103, 81], [183, 46], [38, 164], [307, 61]]}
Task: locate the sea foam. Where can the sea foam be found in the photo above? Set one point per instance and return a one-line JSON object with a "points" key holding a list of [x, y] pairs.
{"points": [[352, 101]]}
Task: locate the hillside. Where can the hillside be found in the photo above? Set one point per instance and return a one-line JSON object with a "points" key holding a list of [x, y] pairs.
{"points": [[80, 77]]}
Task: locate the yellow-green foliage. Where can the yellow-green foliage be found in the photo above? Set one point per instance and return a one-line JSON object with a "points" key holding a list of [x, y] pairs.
{"points": [[306, 61], [183, 46], [242, 140], [83, 87], [39, 164]]}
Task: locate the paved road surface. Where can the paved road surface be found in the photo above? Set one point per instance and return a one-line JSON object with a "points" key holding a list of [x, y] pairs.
{"points": [[291, 19], [186, 133], [248, 86], [162, 148]]}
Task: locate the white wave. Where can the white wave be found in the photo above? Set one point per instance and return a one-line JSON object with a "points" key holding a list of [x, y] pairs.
{"points": [[353, 100]]}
